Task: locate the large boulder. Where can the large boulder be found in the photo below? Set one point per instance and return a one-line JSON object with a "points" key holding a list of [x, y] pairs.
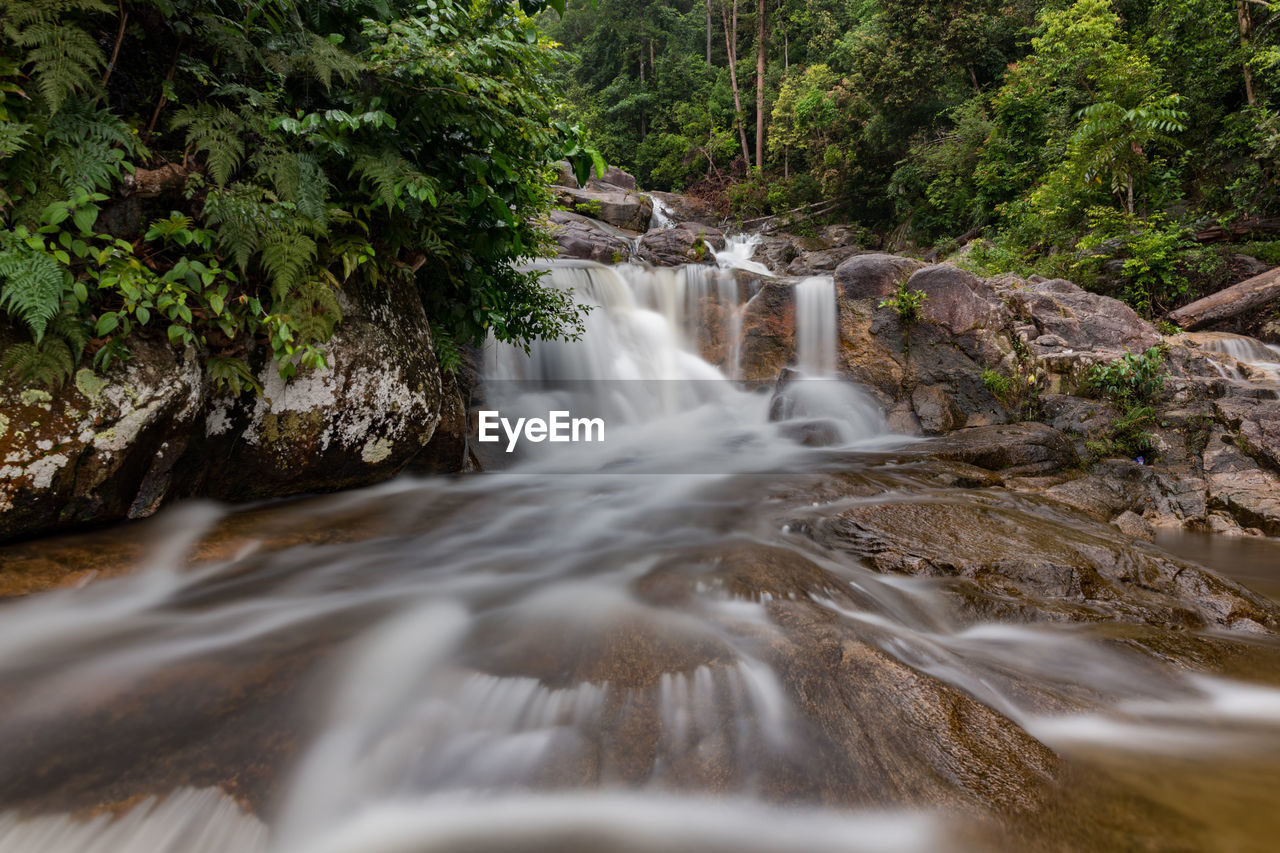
{"points": [[821, 261], [620, 208], [957, 300], [615, 177], [873, 276], [686, 243], [356, 422], [98, 449], [586, 239]]}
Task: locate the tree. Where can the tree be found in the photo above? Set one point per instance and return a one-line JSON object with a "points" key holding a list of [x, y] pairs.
{"points": [[1113, 141]]}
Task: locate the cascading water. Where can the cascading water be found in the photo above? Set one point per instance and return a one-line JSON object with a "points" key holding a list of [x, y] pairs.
{"points": [[594, 650], [739, 252]]}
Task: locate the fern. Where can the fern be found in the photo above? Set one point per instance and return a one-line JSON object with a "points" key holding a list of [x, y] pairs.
{"points": [[70, 327], [286, 256], [232, 374], [240, 216], [313, 309], [448, 355], [215, 132], [13, 138], [63, 58], [48, 363], [31, 285]]}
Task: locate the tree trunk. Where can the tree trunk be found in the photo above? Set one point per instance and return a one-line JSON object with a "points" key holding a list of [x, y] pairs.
{"points": [[708, 33], [786, 51], [1225, 304], [731, 45], [1246, 36], [1130, 195], [760, 86], [1239, 231]]}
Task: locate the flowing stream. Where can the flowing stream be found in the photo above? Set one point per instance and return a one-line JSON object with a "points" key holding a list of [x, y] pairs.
{"points": [[559, 656]]}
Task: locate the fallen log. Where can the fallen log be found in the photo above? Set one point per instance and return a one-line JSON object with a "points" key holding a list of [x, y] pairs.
{"points": [[169, 179], [1238, 231], [1225, 304]]}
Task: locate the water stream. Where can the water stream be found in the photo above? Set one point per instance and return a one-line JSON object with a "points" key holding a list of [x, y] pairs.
{"points": [[587, 650]]}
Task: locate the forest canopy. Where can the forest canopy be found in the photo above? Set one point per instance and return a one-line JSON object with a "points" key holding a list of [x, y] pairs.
{"points": [[1068, 134], [214, 172]]}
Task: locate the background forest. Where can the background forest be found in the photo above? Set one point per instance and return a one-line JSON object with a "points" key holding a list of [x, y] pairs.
{"points": [[1093, 138]]}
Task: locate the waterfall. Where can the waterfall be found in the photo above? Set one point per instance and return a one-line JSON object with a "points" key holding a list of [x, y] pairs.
{"points": [[662, 216], [738, 252], [816, 326]]}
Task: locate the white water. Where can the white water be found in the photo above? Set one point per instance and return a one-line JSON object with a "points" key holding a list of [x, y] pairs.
{"points": [[1260, 361], [464, 707], [738, 254], [662, 217]]}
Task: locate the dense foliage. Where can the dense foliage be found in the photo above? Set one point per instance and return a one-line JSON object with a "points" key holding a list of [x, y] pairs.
{"points": [[1038, 124], [214, 172]]}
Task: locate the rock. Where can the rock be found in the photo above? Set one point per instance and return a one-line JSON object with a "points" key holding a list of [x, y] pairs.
{"points": [[356, 422], [873, 276], [1076, 414], [99, 449], [1015, 450], [1082, 321], [620, 208], [1270, 332], [839, 235], [565, 176], [1239, 487], [686, 243], [1132, 524], [958, 301], [820, 262], [768, 332], [1258, 425], [1010, 562], [586, 239], [685, 208], [936, 410], [1247, 266], [615, 177]]}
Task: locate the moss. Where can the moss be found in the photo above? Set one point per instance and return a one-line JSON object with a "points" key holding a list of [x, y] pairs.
{"points": [[4, 424]]}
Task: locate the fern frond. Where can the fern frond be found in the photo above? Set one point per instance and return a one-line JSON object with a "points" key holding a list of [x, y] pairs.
{"points": [[232, 374], [63, 58], [13, 138], [48, 363], [448, 355], [70, 327], [286, 256], [313, 309], [240, 216], [31, 285], [215, 132]]}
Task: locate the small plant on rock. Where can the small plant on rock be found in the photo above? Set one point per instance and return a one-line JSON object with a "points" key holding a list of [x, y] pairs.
{"points": [[907, 301]]}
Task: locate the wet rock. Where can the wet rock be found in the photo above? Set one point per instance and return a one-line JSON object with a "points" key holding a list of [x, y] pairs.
{"points": [[620, 208], [686, 243], [1258, 424], [586, 239], [1238, 486], [936, 410], [768, 332], [1076, 414], [1132, 524], [356, 422], [100, 448], [1025, 564], [1023, 449], [685, 208], [873, 276]]}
